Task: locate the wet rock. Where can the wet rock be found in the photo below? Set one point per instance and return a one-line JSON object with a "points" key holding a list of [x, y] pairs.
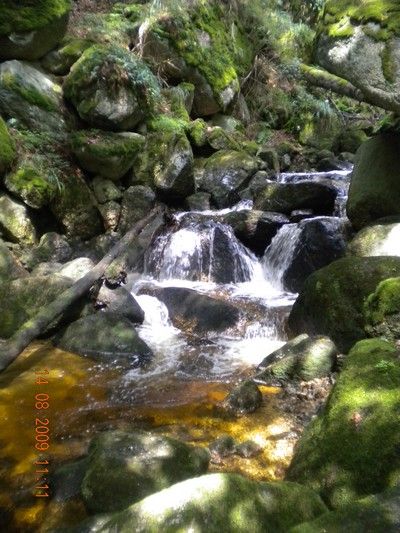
{"points": [[208, 501], [248, 449], [245, 398], [301, 214], [360, 420], [137, 202], [141, 464], [15, 222], [67, 480], [379, 238], [105, 190], [222, 447], [106, 337], [33, 29], [312, 357], [199, 201], [195, 312], [120, 301], [287, 197]]}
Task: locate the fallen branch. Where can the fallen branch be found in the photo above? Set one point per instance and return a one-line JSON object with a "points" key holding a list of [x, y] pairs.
{"points": [[38, 324], [323, 78]]}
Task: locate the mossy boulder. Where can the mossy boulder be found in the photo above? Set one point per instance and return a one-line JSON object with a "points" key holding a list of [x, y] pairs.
{"points": [[351, 449], [10, 268], [332, 299], [382, 310], [60, 61], [125, 467], [245, 398], [107, 154], [30, 29], [107, 337], [375, 183], [23, 298], [320, 130], [214, 503], [288, 197], [105, 190], [31, 97], [379, 238], [224, 173], [111, 88], [196, 42], [358, 41], [31, 185], [7, 148], [15, 221], [52, 247]]}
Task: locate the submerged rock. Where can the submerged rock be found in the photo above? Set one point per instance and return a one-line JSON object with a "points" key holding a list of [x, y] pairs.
{"points": [[351, 449], [245, 398], [215, 503], [125, 467]]}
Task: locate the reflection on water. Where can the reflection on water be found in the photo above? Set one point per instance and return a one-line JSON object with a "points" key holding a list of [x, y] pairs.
{"points": [[84, 399]]}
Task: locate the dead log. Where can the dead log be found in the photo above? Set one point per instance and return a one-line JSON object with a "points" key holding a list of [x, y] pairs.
{"points": [[322, 78], [29, 331]]}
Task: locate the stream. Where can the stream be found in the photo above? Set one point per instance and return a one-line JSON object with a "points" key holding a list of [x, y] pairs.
{"points": [[178, 394]]}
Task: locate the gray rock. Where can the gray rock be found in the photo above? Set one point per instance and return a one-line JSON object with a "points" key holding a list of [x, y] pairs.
{"points": [[137, 202], [379, 238], [244, 398], [10, 268], [122, 302], [77, 268], [111, 213], [200, 201], [52, 247], [15, 222], [105, 190]]}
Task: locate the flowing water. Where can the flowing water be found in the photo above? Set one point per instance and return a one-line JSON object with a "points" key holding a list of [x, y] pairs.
{"points": [[179, 392]]}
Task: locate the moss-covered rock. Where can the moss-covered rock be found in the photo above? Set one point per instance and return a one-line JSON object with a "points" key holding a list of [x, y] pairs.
{"points": [[379, 238], [375, 183], [60, 61], [382, 310], [244, 398], [351, 449], [10, 268], [320, 130], [15, 222], [111, 88], [7, 148], [29, 30], [214, 503], [31, 97], [105, 190], [31, 185], [107, 154], [195, 42], [125, 467], [332, 300]]}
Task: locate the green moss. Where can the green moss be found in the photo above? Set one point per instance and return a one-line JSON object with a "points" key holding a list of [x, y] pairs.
{"points": [[31, 186], [28, 93], [384, 301], [197, 132], [7, 147], [25, 15], [106, 144], [389, 66], [351, 449]]}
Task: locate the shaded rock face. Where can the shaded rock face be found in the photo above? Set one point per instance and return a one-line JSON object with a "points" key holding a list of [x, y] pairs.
{"points": [[379, 238], [106, 337], [52, 247], [214, 503], [9, 267], [195, 312], [137, 201], [332, 299], [15, 222], [31, 97], [35, 31], [382, 310], [111, 88], [359, 41], [375, 184], [140, 464], [351, 449]]}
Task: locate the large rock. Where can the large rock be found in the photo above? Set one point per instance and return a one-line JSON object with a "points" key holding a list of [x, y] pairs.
{"points": [[31, 184], [288, 197], [105, 190], [111, 88], [382, 310], [124, 468], [60, 61], [379, 238], [31, 97], [351, 449], [30, 29], [120, 301], [375, 183], [215, 503], [106, 337], [137, 202], [7, 148], [52, 247], [224, 173], [15, 222], [358, 41], [107, 154], [10, 268], [332, 299]]}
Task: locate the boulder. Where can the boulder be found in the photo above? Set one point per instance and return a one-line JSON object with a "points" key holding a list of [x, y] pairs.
{"points": [[107, 154], [200, 201], [224, 173], [382, 310], [7, 148], [375, 183], [287, 197], [214, 503], [124, 468], [332, 299], [137, 202], [111, 88], [121, 302], [106, 337], [111, 213], [311, 358], [77, 268], [31, 184], [351, 449], [60, 61], [15, 222], [30, 30], [52, 247], [31, 97], [10, 268], [105, 190], [244, 398], [379, 238]]}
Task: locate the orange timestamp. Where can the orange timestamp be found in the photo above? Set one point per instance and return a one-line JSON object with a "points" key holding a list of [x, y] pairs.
{"points": [[42, 432]]}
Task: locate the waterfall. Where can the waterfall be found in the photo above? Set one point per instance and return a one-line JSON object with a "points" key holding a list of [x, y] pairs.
{"points": [[206, 251], [278, 255]]}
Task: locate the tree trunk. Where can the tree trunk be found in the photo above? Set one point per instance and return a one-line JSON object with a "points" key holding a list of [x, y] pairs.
{"points": [[29, 331], [323, 78]]}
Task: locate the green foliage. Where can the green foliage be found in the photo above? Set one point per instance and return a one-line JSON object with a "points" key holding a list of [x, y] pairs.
{"points": [[25, 15]]}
